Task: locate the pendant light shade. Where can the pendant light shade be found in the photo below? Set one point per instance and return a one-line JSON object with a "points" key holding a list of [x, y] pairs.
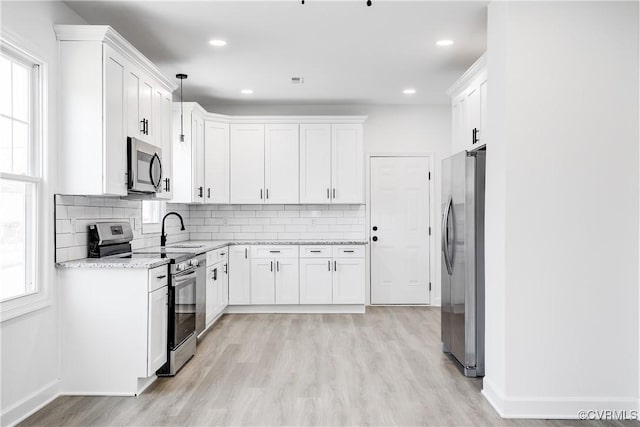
{"points": [[181, 77]]}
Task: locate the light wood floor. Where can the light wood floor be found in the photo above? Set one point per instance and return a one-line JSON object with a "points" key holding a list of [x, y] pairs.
{"points": [[381, 368]]}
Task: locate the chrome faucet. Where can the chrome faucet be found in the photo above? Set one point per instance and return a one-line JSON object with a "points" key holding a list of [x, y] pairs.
{"points": [[163, 236]]}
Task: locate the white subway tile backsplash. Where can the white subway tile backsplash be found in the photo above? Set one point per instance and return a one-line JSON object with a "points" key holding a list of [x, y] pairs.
{"points": [[206, 222]]}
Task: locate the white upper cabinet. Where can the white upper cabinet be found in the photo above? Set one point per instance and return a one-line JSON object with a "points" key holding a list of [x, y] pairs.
{"points": [[331, 163], [188, 155], [108, 89], [281, 163], [469, 108], [163, 139], [216, 162], [315, 163], [347, 158], [247, 164]]}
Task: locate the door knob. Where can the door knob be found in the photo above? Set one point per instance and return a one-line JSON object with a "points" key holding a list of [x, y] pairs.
{"points": [[375, 228], [374, 238]]}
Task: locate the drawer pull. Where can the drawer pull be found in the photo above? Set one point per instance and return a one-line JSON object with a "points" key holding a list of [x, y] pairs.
{"points": [[350, 252], [274, 252], [315, 252], [161, 277], [222, 254]]}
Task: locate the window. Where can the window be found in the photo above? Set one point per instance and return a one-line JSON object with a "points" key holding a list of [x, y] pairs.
{"points": [[20, 173], [152, 212]]}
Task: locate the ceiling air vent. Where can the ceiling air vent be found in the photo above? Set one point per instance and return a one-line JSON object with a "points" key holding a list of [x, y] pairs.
{"points": [[297, 80]]}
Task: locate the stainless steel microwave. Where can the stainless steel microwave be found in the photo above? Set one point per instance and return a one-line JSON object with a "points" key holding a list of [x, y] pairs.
{"points": [[144, 167]]}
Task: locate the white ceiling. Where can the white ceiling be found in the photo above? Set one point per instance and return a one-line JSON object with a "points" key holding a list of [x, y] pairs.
{"points": [[348, 53]]}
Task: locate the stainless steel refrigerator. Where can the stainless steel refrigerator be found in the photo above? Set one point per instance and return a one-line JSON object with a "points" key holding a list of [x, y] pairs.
{"points": [[463, 183]]}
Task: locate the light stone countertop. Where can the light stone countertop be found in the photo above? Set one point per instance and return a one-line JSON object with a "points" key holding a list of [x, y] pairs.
{"points": [[192, 246]]}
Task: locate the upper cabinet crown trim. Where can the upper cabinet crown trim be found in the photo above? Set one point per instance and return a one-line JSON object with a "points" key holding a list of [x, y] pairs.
{"points": [[106, 34], [224, 118], [463, 82]]}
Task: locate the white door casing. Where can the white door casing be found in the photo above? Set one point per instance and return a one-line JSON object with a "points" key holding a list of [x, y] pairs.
{"points": [[400, 209]]}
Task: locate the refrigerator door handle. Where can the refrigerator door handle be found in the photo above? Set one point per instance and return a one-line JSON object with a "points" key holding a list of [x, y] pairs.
{"points": [[445, 236]]}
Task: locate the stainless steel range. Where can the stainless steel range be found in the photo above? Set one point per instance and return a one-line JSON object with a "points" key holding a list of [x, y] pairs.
{"points": [[113, 240]]}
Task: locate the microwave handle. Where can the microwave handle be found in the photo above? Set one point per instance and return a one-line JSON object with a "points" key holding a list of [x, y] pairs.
{"points": [[154, 159]]}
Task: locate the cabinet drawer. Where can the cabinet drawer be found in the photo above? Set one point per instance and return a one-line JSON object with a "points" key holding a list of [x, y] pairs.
{"points": [[315, 251], [348, 251], [281, 251], [217, 255], [158, 277]]}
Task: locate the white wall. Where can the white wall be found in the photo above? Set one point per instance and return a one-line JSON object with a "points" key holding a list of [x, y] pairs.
{"points": [[388, 129], [29, 365], [562, 208]]}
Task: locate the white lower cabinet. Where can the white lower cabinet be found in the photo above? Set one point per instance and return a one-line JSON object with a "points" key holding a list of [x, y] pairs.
{"points": [[286, 281], [348, 281], [315, 281], [263, 282], [157, 334], [239, 275], [212, 293]]}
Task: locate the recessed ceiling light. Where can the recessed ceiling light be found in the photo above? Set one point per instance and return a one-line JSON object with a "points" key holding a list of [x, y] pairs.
{"points": [[444, 42], [247, 91], [409, 91], [216, 42]]}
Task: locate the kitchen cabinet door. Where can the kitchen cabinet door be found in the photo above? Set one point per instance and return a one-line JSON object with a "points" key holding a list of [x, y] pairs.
{"points": [[157, 333], [247, 164], [216, 162], [163, 132], [115, 144], [262, 281], [315, 281], [211, 300], [197, 135], [315, 163], [281, 160], [146, 110], [347, 160], [223, 287], [135, 126], [239, 275], [348, 281], [287, 281]]}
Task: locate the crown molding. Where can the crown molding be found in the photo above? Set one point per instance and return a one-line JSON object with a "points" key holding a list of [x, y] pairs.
{"points": [[479, 66], [106, 34]]}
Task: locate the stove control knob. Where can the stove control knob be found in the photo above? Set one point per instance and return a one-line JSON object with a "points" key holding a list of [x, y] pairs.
{"points": [[193, 263], [181, 267]]}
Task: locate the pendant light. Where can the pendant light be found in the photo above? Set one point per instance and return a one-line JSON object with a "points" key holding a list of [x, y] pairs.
{"points": [[181, 77]]}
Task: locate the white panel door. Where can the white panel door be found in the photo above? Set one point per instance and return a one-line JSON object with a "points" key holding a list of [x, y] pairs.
{"points": [[223, 287], [239, 275], [157, 329], [473, 104], [315, 281], [287, 288], [263, 281], [281, 178], [400, 215], [315, 163], [197, 159], [247, 164], [135, 127], [348, 281], [347, 158], [115, 149], [216, 162]]}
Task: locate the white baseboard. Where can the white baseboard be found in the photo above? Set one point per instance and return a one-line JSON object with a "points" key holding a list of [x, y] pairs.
{"points": [[554, 407], [30, 404], [295, 309]]}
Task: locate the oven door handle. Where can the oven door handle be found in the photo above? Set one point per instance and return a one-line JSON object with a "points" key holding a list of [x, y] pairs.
{"points": [[179, 279]]}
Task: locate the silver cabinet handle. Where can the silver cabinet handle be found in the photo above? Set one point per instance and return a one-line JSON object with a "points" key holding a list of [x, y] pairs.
{"points": [[329, 265], [315, 252], [267, 193], [328, 197], [208, 193], [261, 194], [334, 193], [271, 265], [277, 265], [161, 277], [245, 253], [274, 252], [335, 266]]}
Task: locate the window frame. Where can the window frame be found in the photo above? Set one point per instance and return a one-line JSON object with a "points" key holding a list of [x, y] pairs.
{"points": [[41, 297], [153, 227]]}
